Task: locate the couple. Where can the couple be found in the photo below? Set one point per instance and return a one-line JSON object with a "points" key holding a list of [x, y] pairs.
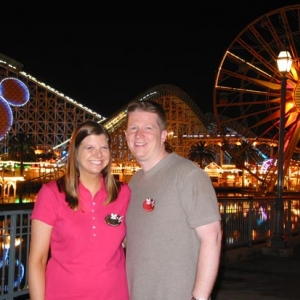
{"points": [[172, 225]]}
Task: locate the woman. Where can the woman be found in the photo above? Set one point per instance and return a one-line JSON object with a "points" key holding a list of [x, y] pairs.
{"points": [[80, 218]]}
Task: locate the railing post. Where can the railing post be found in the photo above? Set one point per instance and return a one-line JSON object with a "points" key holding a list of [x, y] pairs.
{"points": [[12, 254], [223, 249], [250, 218], [288, 228]]}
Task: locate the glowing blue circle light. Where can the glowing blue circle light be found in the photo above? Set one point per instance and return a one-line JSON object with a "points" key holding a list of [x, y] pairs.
{"points": [[12, 92], [6, 119]]}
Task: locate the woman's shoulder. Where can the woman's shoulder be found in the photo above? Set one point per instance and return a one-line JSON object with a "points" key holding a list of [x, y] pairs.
{"points": [[49, 188], [48, 199], [124, 186], [52, 185]]}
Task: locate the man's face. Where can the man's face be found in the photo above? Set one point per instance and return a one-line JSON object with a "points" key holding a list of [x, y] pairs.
{"points": [[144, 137]]}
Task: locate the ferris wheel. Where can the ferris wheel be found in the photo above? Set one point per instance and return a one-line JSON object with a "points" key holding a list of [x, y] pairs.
{"points": [[247, 90]]}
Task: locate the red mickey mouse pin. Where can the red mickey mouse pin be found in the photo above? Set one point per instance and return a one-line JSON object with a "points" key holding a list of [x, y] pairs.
{"points": [[148, 205]]}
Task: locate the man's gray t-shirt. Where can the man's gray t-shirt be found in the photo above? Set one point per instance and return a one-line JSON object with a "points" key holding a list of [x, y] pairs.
{"points": [[162, 245]]}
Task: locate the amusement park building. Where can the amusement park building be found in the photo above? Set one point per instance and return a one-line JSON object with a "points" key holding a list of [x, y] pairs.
{"points": [[246, 101], [50, 118]]}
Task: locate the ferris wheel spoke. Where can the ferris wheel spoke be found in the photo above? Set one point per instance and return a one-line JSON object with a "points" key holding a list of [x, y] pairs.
{"points": [[248, 89]]}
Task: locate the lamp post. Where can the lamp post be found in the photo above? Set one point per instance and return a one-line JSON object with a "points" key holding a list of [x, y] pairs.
{"points": [[284, 63]]}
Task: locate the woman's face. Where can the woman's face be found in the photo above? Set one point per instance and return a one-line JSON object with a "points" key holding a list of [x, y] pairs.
{"points": [[93, 154]]}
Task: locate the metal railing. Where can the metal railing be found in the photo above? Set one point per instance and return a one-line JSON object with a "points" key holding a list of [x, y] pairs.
{"points": [[14, 240], [247, 220]]}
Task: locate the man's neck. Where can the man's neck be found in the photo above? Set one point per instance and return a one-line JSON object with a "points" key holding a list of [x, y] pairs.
{"points": [[148, 165]]}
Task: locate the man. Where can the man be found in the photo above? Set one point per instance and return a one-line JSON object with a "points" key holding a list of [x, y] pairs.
{"points": [[173, 220]]}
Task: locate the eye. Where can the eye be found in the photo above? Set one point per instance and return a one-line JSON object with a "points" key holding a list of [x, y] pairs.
{"points": [[133, 128]]}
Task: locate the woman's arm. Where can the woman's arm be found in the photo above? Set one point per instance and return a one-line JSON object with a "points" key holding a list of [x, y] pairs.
{"points": [[38, 257]]}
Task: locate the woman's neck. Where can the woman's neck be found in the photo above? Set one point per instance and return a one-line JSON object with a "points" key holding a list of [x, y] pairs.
{"points": [[92, 183]]}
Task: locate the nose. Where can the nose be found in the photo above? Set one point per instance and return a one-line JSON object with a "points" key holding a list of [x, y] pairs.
{"points": [[97, 152], [139, 132]]}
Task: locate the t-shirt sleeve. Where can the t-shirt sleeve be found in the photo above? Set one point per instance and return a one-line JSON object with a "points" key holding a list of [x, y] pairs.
{"points": [[200, 201], [46, 205]]}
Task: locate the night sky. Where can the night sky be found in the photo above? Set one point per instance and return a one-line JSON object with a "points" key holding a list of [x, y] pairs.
{"points": [[103, 55]]}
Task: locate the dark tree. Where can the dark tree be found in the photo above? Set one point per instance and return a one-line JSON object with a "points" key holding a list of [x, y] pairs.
{"points": [[201, 154], [168, 147], [21, 148]]}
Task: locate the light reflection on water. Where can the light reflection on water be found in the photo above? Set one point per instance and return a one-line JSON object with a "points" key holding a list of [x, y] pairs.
{"points": [[26, 199]]}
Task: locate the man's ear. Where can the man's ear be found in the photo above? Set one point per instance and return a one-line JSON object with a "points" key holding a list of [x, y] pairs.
{"points": [[164, 135]]}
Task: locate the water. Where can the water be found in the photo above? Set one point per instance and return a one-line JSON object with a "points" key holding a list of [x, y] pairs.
{"points": [[25, 199]]}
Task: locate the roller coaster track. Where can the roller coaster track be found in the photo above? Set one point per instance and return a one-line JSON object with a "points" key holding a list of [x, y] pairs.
{"points": [[50, 117]]}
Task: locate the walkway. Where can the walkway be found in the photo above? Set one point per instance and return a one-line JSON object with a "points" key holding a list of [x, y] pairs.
{"points": [[263, 277]]}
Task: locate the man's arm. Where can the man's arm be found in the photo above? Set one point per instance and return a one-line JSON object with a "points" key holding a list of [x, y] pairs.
{"points": [[210, 237]]}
